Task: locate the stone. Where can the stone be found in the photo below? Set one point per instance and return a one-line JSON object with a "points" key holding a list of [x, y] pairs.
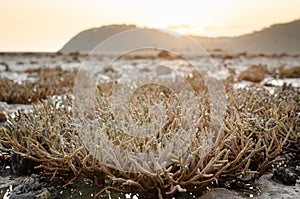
{"points": [[164, 54], [44, 195], [269, 189], [273, 190], [293, 72], [287, 176], [255, 73], [22, 166], [31, 187], [220, 193]]}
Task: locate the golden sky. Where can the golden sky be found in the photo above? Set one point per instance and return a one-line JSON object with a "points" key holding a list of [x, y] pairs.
{"points": [[46, 25]]}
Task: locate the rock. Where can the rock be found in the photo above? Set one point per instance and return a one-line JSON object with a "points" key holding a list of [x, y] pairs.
{"points": [[22, 166], [268, 189], [6, 181], [44, 195], [293, 72], [6, 66], [255, 73], [31, 188], [164, 54], [287, 176], [273, 190], [220, 193]]}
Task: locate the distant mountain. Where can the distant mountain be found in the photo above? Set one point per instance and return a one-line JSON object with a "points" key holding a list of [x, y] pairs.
{"points": [[278, 38], [89, 39]]}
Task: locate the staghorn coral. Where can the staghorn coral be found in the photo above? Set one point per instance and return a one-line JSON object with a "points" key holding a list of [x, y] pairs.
{"points": [[258, 126], [51, 81]]}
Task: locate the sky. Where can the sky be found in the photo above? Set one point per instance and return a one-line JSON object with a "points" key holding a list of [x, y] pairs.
{"points": [[46, 25]]}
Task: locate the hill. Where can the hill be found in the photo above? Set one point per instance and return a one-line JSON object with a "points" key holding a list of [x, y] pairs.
{"points": [[278, 38]]}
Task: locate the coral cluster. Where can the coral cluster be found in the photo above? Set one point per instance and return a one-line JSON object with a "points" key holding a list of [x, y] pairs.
{"points": [[50, 81], [258, 125], [257, 73]]}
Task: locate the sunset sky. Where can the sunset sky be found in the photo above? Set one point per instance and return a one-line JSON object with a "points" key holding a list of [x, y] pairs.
{"points": [[46, 25]]}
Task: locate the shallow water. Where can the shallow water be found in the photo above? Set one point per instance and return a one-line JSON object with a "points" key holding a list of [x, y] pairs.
{"points": [[82, 188]]}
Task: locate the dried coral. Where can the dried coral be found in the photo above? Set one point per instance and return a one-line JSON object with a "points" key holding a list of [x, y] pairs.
{"points": [[51, 81], [258, 126]]}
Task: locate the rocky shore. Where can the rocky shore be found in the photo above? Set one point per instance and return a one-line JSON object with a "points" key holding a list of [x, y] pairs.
{"points": [[27, 82]]}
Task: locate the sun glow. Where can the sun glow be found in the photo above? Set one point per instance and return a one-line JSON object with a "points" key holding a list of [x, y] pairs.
{"points": [[186, 29], [35, 25]]}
